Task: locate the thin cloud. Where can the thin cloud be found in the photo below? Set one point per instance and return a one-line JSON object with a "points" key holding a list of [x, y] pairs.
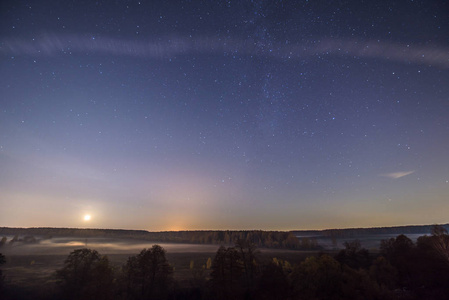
{"points": [[49, 45], [396, 175]]}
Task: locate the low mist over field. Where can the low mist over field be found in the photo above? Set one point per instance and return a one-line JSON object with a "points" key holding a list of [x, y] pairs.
{"points": [[64, 245], [111, 241]]}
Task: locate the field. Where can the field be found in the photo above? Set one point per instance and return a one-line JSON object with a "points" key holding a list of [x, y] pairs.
{"points": [[32, 262], [30, 268], [35, 264]]}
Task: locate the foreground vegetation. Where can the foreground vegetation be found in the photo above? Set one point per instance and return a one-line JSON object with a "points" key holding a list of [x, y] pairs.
{"points": [[401, 270]]}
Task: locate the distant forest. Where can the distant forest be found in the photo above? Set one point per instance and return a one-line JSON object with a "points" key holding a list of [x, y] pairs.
{"points": [[299, 240], [354, 232]]}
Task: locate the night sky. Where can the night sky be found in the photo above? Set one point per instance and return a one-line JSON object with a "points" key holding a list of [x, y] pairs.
{"points": [[172, 115]]}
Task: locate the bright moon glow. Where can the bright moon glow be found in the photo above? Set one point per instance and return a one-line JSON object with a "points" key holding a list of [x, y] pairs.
{"points": [[86, 217]]}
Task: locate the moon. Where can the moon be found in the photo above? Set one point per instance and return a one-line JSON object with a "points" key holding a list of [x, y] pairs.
{"points": [[87, 218]]}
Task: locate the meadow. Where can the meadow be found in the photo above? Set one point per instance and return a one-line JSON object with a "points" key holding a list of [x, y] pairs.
{"points": [[359, 265], [36, 263], [30, 268]]}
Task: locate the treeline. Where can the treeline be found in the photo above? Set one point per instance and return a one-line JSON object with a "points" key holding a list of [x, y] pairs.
{"points": [[354, 232], [262, 239], [402, 270], [28, 239], [49, 232]]}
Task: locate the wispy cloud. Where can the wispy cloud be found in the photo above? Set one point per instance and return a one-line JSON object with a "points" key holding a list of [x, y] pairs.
{"points": [[49, 45], [396, 175]]}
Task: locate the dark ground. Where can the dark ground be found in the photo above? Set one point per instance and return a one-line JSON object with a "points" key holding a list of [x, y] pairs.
{"points": [[33, 274]]}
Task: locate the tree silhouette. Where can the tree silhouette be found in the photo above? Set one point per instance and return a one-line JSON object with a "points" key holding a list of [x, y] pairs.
{"points": [[354, 256], [226, 273], [2, 261], [248, 257], [383, 273], [148, 275], [273, 283], [399, 252], [3, 241], [440, 241], [317, 278], [323, 277], [86, 275]]}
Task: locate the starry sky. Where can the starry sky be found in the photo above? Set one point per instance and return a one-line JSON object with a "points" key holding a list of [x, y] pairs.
{"points": [[175, 115]]}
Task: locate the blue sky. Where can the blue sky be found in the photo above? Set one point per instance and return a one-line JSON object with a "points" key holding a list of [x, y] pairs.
{"points": [[251, 115]]}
